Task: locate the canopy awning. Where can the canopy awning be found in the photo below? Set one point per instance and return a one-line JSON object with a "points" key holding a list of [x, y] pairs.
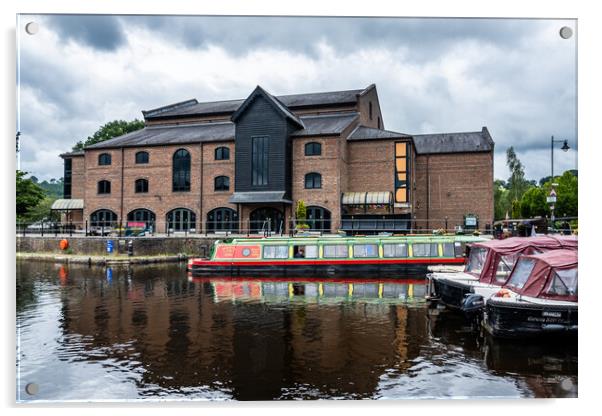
{"points": [[259, 197], [67, 204], [367, 198]]}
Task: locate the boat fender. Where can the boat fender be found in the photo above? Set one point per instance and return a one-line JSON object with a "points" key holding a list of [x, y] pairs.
{"points": [[502, 293], [64, 244], [472, 303]]}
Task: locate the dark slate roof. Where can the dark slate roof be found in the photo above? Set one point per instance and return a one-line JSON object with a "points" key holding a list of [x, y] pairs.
{"points": [[327, 124], [193, 107], [258, 197], [370, 133], [213, 132], [469, 142], [72, 154], [273, 101], [164, 135]]}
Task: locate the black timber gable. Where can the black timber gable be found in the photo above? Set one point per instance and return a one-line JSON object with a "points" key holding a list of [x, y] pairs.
{"points": [[261, 115]]}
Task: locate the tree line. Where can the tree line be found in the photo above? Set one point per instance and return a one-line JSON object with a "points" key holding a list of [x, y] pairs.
{"points": [[519, 197]]}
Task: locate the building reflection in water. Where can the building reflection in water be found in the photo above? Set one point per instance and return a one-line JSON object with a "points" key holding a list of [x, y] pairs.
{"points": [[250, 339]]}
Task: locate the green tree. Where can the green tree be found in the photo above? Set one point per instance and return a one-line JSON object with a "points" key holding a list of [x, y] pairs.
{"points": [[517, 184], [29, 195], [301, 212], [566, 195], [533, 203], [108, 131], [42, 211], [500, 199]]}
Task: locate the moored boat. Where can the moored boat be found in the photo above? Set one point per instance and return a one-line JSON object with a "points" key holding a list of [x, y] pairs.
{"points": [[540, 298], [383, 256], [488, 268]]}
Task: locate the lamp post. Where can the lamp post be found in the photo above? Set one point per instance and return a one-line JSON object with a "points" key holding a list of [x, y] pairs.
{"points": [[565, 148], [552, 197]]}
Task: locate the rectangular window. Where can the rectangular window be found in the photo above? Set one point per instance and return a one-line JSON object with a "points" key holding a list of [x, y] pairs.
{"points": [[365, 250], [459, 250], [67, 179], [275, 252], [395, 250], [305, 252], [448, 250], [425, 250], [259, 162], [336, 251], [401, 172]]}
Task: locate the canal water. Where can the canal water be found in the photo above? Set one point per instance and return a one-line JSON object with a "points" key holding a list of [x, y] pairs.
{"points": [[151, 332]]}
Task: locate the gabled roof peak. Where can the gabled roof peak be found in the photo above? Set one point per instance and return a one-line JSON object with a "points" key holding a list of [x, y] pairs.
{"points": [[276, 103]]}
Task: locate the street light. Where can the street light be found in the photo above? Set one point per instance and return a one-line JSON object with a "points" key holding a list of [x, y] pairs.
{"points": [[552, 197], [565, 148]]}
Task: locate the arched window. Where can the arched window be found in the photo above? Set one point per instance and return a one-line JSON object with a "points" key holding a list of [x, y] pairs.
{"points": [[222, 219], [370, 109], [222, 183], [313, 149], [104, 187], [318, 218], [181, 171], [141, 186], [181, 219], [313, 181], [142, 215], [104, 159], [103, 218], [141, 157], [222, 153]]}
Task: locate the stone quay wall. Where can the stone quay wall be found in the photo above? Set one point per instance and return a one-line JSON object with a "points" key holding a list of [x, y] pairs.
{"points": [[143, 246]]}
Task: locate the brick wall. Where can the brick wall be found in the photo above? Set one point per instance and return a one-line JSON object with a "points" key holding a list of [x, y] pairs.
{"points": [[160, 198], [459, 184], [327, 165]]}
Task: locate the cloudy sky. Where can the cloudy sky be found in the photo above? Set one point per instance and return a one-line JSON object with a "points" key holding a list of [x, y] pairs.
{"points": [[517, 77]]}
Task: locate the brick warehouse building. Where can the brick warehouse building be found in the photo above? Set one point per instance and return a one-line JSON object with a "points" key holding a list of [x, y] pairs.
{"points": [[234, 165]]}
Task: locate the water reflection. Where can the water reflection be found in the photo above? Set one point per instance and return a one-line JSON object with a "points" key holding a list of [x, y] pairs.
{"points": [[154, 332]]}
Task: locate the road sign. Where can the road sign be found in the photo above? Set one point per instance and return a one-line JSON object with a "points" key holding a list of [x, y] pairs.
{"points": [[109, 246]]}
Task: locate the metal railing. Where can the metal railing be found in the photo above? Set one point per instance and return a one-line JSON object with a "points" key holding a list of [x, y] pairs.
{"points": [[265, 228]]}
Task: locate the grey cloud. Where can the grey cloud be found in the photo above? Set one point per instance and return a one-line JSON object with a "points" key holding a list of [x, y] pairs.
{"points": [[240, 34], [102, 32], [532, 96]]}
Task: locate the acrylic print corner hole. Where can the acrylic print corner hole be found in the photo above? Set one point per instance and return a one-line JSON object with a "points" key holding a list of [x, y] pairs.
{"points": [[276, 208]]}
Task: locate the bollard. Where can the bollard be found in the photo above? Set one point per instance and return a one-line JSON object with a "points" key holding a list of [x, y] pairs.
{"points": [[130, 248], [42, 228]]}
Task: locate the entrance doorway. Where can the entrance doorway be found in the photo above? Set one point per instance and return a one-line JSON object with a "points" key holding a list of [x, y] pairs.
{"points": [[265, 217]]}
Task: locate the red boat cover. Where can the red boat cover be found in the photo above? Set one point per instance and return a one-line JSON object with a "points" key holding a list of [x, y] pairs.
{"points": [[509, 249], [553, 275]]}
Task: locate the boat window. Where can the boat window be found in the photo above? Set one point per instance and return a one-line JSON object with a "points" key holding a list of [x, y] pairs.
{"points": [[458, 249], [504, 267], [448, 250], [275, 252], [365, 250], [521, 273], [425, 250], [476, 260], [305, 252], [395, 250], [336, 251], [564, 283]]}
